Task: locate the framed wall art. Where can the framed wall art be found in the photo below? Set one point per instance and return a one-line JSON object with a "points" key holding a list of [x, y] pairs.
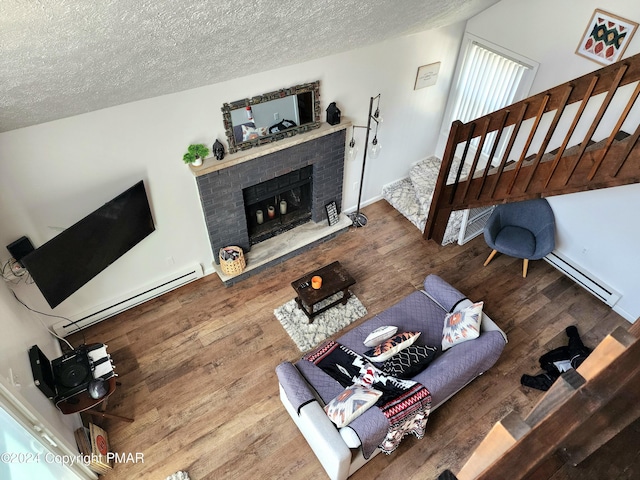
{"points": [[427, 75], [606, 37], [332, 213]]}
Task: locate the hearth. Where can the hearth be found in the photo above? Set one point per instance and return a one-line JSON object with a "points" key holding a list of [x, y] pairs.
{"points": [[278, 205]]}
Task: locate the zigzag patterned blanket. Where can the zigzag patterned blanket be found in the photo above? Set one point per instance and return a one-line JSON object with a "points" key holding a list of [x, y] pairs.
{"points": [[405, 403]]}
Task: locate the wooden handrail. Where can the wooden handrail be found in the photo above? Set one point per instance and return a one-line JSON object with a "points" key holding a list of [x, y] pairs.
{"points": [[592, 163], [583, 410]]}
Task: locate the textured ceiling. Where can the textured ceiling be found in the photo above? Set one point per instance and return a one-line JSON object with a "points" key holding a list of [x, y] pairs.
{"points": [[66, 57]]}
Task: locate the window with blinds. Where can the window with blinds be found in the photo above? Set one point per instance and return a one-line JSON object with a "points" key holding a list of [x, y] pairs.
{"points": [[488, 81], [488, 78]]}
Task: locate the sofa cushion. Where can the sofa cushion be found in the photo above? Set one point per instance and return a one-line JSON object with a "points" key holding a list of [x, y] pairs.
{"points": [[297, 389], [443, 294], [462, 325], [390, 347], [350, 404], [379, 335], [414, 313], [410, 361]]}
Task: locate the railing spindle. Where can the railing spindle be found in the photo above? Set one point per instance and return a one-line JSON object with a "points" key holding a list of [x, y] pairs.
{"points": [[616, 129], [512, 140], [632, 140], [603, 108], [525, 149], [496, 142], [483, 129], [550, 132], [576, 119]]}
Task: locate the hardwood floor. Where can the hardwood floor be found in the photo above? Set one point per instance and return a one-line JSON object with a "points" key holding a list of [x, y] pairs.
{"points": [[197, 365]]}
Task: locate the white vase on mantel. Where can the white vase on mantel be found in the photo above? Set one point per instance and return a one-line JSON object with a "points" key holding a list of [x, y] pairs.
{"points": [[197, 162]]}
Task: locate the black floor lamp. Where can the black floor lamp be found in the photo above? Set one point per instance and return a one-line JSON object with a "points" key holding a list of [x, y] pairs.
{"points": [[359, 219]]}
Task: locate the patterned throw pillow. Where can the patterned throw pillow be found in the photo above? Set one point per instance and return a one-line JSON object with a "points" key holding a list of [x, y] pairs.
{"points": [[350, 404], [410, 361], [390, 347], [379, 335], [462, 326], [250, 133]]}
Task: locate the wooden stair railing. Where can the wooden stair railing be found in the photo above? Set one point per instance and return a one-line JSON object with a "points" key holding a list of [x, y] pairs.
{"points": [[540, 154], [583, 410]]}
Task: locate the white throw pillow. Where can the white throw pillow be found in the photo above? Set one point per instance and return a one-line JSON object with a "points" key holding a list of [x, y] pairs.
{"points": [[379, 335], [462, 325], [391, 346], [350, 404]]}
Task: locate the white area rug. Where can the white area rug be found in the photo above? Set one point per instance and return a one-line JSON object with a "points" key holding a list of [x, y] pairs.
{"points": [[306, 335]]}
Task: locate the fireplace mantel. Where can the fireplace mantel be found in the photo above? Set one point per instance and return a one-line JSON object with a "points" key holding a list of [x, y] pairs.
{"points": [[221, 185], [211, 164]]}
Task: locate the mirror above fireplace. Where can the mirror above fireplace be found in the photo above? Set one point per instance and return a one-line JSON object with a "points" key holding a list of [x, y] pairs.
{"points": [[272, 116]]}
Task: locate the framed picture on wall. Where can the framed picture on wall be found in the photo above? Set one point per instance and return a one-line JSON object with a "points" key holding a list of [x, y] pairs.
{"points": [[606, 37], [427, 75]]}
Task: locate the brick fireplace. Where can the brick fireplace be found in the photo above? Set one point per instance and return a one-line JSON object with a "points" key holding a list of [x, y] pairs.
{"points": [[222, 184]]}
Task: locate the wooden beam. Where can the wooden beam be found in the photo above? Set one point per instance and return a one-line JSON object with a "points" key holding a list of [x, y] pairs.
{"points": [[568, 405], [504, 435]]}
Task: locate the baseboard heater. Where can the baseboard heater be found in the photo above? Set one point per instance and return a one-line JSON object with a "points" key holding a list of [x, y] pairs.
{"points": [[143, 294], [584, 279]]}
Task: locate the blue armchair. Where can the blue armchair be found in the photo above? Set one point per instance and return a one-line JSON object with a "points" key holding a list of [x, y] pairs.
{"points": [[521, 229]]}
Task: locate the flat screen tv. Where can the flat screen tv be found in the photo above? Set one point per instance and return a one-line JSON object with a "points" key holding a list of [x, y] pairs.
{"points": [[72, 258]]}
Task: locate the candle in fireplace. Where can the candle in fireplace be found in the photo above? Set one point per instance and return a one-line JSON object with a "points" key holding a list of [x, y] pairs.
{"points": [[283, 207], [271, 211], [259, 217]]}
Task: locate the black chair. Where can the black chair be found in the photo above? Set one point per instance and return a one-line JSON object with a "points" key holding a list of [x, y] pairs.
{"points": [[521, 229]]}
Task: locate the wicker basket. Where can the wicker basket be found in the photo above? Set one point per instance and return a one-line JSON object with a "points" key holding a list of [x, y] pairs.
{"points": [[232, 266]]}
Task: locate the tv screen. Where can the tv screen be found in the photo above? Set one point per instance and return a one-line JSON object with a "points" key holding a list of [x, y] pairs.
{"points": [[68, 261]]}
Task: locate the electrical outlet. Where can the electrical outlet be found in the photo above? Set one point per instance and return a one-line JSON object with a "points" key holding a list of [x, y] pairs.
{"points": [[356, 186], [170, 261], [276, 116], [15, 380]]}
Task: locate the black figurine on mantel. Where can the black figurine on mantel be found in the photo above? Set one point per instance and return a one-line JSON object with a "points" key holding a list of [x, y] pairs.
{"points": [[333, 114], [218, 150]]}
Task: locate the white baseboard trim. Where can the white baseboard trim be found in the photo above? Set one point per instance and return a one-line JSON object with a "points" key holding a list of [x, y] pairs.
{"points": [[363, 204], [129, 300], [624, 314]]}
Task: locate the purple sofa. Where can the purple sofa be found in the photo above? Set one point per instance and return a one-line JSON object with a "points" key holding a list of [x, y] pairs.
{"points": [[305, 388]]}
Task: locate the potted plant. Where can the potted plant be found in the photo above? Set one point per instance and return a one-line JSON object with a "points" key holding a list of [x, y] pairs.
{"points": [[196, 154]]}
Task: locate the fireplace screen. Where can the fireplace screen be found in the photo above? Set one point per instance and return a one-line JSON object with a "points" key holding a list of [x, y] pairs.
{"points": [[278, 205]]}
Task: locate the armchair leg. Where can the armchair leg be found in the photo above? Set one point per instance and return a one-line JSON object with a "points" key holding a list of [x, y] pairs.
{"points": [[491, 255], [525, 266]]}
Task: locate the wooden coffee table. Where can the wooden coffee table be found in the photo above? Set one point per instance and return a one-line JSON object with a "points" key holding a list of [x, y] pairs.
{"points": [[334, 279]]}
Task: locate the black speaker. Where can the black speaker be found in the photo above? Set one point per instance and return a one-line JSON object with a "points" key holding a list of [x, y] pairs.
{"points": [[20, 249], [42, 372]]}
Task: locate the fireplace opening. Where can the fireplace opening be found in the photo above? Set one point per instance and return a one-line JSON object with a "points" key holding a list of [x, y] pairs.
{"points": [[278, 205]]}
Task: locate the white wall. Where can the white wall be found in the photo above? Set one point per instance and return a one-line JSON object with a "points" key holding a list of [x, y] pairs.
{"points": [[59, 171], [594, 229], [53, 174], [22, 329]]}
